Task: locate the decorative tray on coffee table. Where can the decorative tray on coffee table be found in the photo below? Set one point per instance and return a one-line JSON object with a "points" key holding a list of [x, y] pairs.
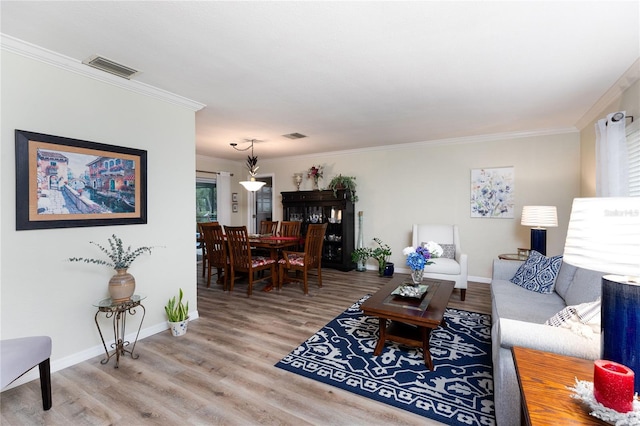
{"points": [[410, 291]]}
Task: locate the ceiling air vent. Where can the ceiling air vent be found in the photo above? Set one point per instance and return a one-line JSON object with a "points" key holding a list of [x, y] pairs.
{"points": [[110, 66], [295, 136]]}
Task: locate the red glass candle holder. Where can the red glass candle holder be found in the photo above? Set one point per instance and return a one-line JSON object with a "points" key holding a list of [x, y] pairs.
{"points": [[613, 385]]}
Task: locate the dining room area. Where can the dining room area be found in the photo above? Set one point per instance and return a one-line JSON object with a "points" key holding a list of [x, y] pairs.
{"points": [[231, 254]]}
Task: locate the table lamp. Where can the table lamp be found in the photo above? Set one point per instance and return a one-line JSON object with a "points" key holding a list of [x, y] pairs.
{"points": [[539, 218], [604, 235]]}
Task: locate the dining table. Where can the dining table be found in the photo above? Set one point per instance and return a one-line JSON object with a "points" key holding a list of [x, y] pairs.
{"points": [[270, 242], [273, 243]]}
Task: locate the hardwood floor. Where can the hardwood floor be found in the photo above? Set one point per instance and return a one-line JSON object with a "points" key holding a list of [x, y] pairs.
{"points": [[222, 371]]}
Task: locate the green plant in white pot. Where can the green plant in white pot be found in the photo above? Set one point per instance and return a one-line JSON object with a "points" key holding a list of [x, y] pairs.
{"points": [[177, 315]]}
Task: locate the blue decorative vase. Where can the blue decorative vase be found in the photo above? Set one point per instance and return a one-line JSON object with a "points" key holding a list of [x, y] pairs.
{"points": [[388, 270], [620, 336]]}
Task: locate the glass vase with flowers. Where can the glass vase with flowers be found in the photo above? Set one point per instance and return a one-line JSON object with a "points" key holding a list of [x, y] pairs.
{"points": [[315, 173], [419, 257]]}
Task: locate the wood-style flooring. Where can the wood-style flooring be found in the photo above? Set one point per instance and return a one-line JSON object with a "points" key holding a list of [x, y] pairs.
{"points": [[222, 371]]}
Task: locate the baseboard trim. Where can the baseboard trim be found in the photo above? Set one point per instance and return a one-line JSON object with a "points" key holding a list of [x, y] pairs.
{"points": [[93, 352]]}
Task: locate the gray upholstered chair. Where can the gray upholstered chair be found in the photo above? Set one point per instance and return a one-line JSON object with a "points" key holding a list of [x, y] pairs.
{"points": [[443, 268], [17, 356]]}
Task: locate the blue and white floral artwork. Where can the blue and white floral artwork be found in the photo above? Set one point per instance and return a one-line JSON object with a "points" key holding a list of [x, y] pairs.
{"points": [[492, 192]]}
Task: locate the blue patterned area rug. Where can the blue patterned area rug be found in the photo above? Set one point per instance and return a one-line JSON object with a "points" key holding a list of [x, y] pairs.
{"points": [[458, 392]]}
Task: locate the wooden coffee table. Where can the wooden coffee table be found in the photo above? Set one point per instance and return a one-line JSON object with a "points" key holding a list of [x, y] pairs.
{"points": [[411, 319]]}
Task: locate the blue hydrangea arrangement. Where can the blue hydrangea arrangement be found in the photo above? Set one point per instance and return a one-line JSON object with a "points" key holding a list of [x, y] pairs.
{"points": [[419, 257]]}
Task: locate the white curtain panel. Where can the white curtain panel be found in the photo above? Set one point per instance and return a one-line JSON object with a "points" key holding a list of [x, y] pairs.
{"points": [[612, 163], [223, 201]]}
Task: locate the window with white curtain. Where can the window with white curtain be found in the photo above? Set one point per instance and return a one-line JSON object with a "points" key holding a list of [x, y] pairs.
{"points": [[617, 156], [633, 144]]}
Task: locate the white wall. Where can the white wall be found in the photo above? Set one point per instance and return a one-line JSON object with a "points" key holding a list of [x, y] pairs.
{"points": [[424, 183], [41, 293]]}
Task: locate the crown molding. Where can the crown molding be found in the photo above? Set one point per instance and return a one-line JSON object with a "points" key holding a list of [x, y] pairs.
{"points": [[32, 51], [630, 76], [436, 142]]}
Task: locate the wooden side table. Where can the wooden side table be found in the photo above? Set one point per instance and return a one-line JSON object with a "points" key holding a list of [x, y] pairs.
{"points": [[543, 378], [118, 312], [512, 256], [523, 254]]}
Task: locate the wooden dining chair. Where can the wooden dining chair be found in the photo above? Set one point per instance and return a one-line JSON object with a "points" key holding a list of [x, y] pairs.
{"points": [[290, 228], [241, 259], [217, 256], [268, 227], [310, 258], [201, 245]]}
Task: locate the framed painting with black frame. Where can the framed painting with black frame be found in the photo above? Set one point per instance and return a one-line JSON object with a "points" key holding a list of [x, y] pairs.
{"points": [[66, 183]]}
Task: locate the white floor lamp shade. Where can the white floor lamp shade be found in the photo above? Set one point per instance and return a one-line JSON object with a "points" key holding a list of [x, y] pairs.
{"points": [[604, 235]]}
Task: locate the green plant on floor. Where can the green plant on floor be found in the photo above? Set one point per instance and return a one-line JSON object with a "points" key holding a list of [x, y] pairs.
{"points": [[347, 183], [360, 254], [382, 253], [177, 312]]}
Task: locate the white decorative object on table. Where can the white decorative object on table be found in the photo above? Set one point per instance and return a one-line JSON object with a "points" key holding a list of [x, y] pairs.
{"points": [[583, 391]]}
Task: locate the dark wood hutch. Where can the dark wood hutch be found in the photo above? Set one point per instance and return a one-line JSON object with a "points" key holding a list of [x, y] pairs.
{"points": [[324, 207]]}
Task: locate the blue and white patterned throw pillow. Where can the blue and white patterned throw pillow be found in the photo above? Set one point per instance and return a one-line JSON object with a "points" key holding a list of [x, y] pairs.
{"points": [[538, 273]]}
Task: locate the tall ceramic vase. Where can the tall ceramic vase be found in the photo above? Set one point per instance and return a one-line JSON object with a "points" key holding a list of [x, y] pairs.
{"points": [[121, 286], [361, 265]]}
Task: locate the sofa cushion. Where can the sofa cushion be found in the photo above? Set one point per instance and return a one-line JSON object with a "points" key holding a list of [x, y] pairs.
{"points": [[586, 286], [517, 303], [442, 265], [564, 279], [538, 273]]}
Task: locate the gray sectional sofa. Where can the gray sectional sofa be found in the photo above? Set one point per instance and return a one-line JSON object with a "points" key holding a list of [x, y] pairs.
{"points": [[518, 317]]}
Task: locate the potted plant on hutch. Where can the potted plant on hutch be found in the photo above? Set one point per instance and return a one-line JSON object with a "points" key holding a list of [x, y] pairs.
{"points": [[346, 183], [177, 315], [122, 285]]}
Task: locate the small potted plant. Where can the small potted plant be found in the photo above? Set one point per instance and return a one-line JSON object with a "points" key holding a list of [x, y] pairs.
{"points": [[177, 315], [122, 285], [382, 253], [347, 183], [359, 256]]}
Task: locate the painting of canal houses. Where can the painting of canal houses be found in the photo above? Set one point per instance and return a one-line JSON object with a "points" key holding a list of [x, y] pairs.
{"points": [[62, 182]]}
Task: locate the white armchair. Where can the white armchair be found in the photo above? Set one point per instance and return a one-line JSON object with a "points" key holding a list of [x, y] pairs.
{"points": [[444, 268]]}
